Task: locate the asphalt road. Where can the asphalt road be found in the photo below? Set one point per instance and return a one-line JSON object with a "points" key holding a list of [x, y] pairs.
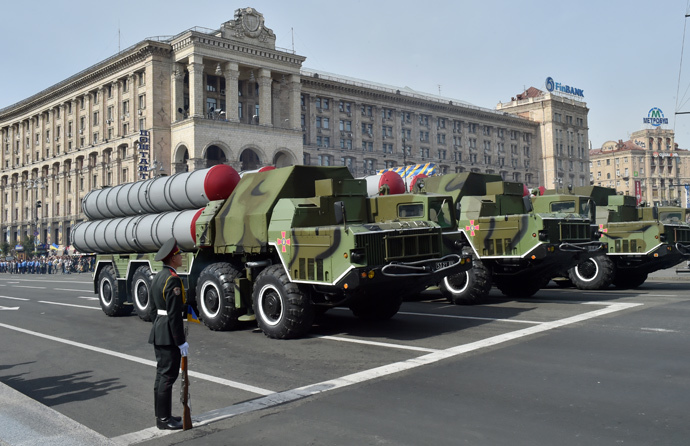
{"points": [[566, 367]]}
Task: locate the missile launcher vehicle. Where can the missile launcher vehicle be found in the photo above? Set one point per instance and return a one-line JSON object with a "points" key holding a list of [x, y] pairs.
{"points": [[285, 245], [640, 240], [514, 247]]}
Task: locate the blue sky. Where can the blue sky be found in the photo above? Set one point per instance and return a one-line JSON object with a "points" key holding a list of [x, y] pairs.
{"points": [[625, 55]]}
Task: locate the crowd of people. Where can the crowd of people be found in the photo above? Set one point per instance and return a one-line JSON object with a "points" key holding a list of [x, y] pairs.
{"points": [[66, 264]]}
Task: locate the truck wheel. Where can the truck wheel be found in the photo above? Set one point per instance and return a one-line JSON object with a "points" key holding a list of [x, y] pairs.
{"points": [[376, 308], [283, 310], [596, 273], [112, 303], [469, 287], [628, 280], [215, 295], [522, 287], [141, 292]]}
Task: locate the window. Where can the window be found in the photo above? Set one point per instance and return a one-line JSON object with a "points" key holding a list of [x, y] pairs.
{"points": [[142, 101], [486, 130], [424, 120], [441, 123], [322, 103], [345, 107], [367, 110], [322, 122], [125, 107], [441, 138], [345, 126], [95, 119], [471, 128], [386, 113], [125, 85], [142, 78], [423, 136]]}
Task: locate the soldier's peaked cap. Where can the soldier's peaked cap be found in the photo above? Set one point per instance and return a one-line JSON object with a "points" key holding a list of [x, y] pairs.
{"points": [[168, 249]]}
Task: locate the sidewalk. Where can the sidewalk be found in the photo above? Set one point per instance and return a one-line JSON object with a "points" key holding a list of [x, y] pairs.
{"points": [[27, 422]]}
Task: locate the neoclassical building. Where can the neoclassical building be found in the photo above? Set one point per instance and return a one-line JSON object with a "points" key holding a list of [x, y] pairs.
{"points": [[204, 97], [563, 135], [651, 158]]}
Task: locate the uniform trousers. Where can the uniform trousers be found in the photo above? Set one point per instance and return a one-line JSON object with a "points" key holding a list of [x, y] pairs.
{"points": [[168, 359]]}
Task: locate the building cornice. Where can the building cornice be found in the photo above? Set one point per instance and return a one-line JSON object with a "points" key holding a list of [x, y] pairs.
{"points": [[84, 79], [196, 38], [416, 101]]}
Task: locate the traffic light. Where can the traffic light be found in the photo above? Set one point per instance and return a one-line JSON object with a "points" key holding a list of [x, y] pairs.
{"points": [[38, 204]]}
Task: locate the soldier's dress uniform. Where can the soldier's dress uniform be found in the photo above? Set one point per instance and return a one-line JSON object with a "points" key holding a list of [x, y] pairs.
{"points": [[167, 334]]}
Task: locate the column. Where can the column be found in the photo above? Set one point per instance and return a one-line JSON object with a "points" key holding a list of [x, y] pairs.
{"points": [[196, 86], [294, 96], [177, 93], [232, 75], [265, 112], [117, 112], [88, 131]]}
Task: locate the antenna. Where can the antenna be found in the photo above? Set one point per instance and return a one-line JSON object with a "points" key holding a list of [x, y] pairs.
{"points": [[292, 32], [118, 36]]}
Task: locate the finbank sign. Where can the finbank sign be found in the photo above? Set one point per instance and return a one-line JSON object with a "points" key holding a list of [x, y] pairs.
{"points": [[552, 86], [655, 117]]}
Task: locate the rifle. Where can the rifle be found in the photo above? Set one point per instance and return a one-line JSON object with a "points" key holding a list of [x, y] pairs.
{"points": [[185, 398]]}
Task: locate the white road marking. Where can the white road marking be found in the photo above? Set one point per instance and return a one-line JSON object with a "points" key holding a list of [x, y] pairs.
{"points": [[660, 330], [517, 321], [27, 286], [378, 344], [9, 308], [66, 289], [204, 376], [68, 305], [13, 298], [366, 375], [87, 297]]}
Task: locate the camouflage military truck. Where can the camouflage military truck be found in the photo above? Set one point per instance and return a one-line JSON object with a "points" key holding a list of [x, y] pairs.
{"points": [[290, 243], [640, 240], [514, 247]]}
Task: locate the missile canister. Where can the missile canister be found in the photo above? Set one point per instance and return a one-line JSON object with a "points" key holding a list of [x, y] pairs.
{"points": [[392, 179], [140, 233], [188, 190]]}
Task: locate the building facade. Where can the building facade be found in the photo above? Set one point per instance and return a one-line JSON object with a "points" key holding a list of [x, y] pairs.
{"points": [[652, 159], [204, 97], [563, 135]]}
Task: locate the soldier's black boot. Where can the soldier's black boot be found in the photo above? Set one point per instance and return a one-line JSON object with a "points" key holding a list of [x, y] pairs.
{"points": [[164, 420]]}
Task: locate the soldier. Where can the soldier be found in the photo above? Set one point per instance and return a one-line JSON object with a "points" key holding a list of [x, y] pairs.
{"points": [[167, 334]]}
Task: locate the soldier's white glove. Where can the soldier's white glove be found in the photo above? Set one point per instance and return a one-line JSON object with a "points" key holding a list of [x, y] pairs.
{"points": [[184, 349]]}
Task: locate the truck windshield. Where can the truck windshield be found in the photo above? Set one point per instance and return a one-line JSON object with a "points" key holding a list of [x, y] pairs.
{"points": [[411, 210], [671, 217], [439, 212], [563, 206]]}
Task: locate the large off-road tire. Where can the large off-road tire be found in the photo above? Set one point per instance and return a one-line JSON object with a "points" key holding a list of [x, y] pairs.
{"points": [[596, 273], [521, 287], [215, 296], [141, 292], [376, 308], [629, 280], [112, 301], [283, 309], [467, 288]]}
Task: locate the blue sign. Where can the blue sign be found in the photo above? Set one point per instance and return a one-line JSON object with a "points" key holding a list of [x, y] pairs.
{"points": [[655, 117], [552, 86]]}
